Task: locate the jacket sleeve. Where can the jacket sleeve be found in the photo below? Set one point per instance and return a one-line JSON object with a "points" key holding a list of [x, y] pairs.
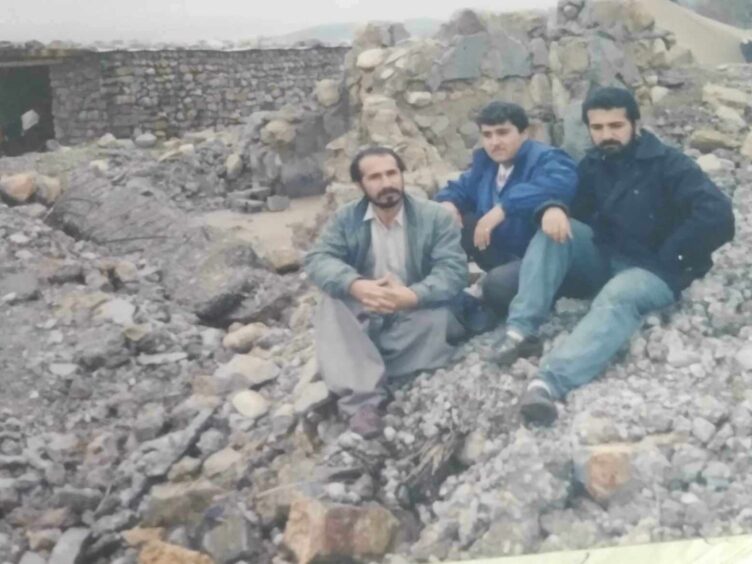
{"points": [[584, 202], [463, 192], [707, 218], [448, 274], [326, 263], [552, 183]]}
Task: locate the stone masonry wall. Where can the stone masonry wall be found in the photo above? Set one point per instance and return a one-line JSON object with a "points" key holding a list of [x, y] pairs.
{"points": [[170, 92], [77, 103]]}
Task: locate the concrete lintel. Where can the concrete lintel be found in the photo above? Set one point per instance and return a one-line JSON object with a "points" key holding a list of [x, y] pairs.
{"points": [[30, 63]]}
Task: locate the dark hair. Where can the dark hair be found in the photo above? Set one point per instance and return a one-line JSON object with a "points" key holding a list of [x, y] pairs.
{"points": [[357, 175], [497, 113], [610, 98]]}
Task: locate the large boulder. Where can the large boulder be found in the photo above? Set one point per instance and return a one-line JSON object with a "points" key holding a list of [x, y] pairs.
{"points": [[217, 277]]}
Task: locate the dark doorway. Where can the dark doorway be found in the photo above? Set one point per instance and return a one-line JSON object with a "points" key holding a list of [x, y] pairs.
{"points": [[24, 88]]}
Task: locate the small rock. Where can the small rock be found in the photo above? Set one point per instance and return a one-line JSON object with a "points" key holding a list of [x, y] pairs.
{"points": [[119, 311], [604, 470], [419, 99], [224, 467], [243, 339], [233, 166], [744, 358], [277, 203], [69, 546], [245, 371], [107, 140], [180, 503], [18, 188], [370, 59], [146, 140], [250, 404], [32, 558], [48, 190], [702, 429], [327, 92], [710, 163], [311, 396], [284, 259], [278, 132], [161, 358], [141, 536], [163, 553]]}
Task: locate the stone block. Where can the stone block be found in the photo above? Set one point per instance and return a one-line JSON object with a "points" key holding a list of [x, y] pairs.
{"points": [[172, 504], [717, 95], [18, 188], [245, 371], [708, 140], [164, 553], [318, 531], [250, 404], [243, 339]]}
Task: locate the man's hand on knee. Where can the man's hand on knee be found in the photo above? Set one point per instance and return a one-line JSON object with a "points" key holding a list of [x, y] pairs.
{"points": [[556, 225], [486, 224]]}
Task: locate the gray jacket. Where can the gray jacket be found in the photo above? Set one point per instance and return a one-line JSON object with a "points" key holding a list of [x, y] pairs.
{"points": [[436, 263]]}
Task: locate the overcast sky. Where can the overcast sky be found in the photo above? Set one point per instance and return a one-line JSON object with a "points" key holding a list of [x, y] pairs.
{"points": [[186, 20]]}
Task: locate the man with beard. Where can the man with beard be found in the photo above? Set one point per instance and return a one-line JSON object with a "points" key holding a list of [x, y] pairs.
{"points": [[644, 223], [387, 264]]}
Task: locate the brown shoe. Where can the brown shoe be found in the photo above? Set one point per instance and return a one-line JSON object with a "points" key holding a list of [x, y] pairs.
{"points": [[367, 422]]}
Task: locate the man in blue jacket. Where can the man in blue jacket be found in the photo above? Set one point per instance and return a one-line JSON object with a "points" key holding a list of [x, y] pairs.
{"points": [[500, 200], [387, 265], [644, 224]]}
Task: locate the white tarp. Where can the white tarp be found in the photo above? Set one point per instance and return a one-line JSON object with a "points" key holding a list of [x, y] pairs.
{"points": [[726, 550]]}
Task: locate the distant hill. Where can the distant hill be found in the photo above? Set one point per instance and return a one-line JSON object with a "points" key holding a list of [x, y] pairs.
{"points": [[344, 32]]}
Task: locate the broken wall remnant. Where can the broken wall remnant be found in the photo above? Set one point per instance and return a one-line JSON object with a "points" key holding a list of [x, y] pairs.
{"points": [[421, 96], [168, 92]]}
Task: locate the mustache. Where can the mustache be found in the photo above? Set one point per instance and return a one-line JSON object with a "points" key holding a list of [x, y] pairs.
{"points": [[382, 199], [389, 190]]}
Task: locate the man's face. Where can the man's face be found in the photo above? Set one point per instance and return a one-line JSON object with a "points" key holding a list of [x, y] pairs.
{"points": [[382, 180], [610, 130], [501, 142]]}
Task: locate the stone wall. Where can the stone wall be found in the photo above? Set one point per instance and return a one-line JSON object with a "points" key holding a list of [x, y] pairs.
{"points": [[421, 96], [170, 92], [77, 104]]}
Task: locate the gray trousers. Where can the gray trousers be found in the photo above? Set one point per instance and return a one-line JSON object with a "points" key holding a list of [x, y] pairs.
{"points": [[359, 351]]}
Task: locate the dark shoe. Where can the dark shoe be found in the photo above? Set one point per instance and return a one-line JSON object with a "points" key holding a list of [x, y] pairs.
{"points": [[508, 349], [537, 406], [473, 314], [367, 422]]}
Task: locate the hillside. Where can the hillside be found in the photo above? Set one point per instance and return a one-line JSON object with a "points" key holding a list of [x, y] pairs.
{"points": [[711, 42]]}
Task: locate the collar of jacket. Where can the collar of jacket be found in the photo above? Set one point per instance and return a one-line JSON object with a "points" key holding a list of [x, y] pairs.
{"points": [[648, 147], [481, 157], [411, 228]]}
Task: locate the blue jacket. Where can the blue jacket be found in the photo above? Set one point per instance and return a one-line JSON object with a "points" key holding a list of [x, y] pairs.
{"points": [[656, 208], [542, 174], [436, 263]]}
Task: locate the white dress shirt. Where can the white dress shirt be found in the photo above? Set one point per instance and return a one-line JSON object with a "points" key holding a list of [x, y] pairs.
{"points": [[502, 176], [388, 245]]}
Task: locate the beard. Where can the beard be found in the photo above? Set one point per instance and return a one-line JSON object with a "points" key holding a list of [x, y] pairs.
{"points": [[387, 198], [613, 147]]}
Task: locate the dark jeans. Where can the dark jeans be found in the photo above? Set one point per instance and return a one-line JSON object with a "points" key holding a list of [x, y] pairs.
{"points": [[503, 269]]}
